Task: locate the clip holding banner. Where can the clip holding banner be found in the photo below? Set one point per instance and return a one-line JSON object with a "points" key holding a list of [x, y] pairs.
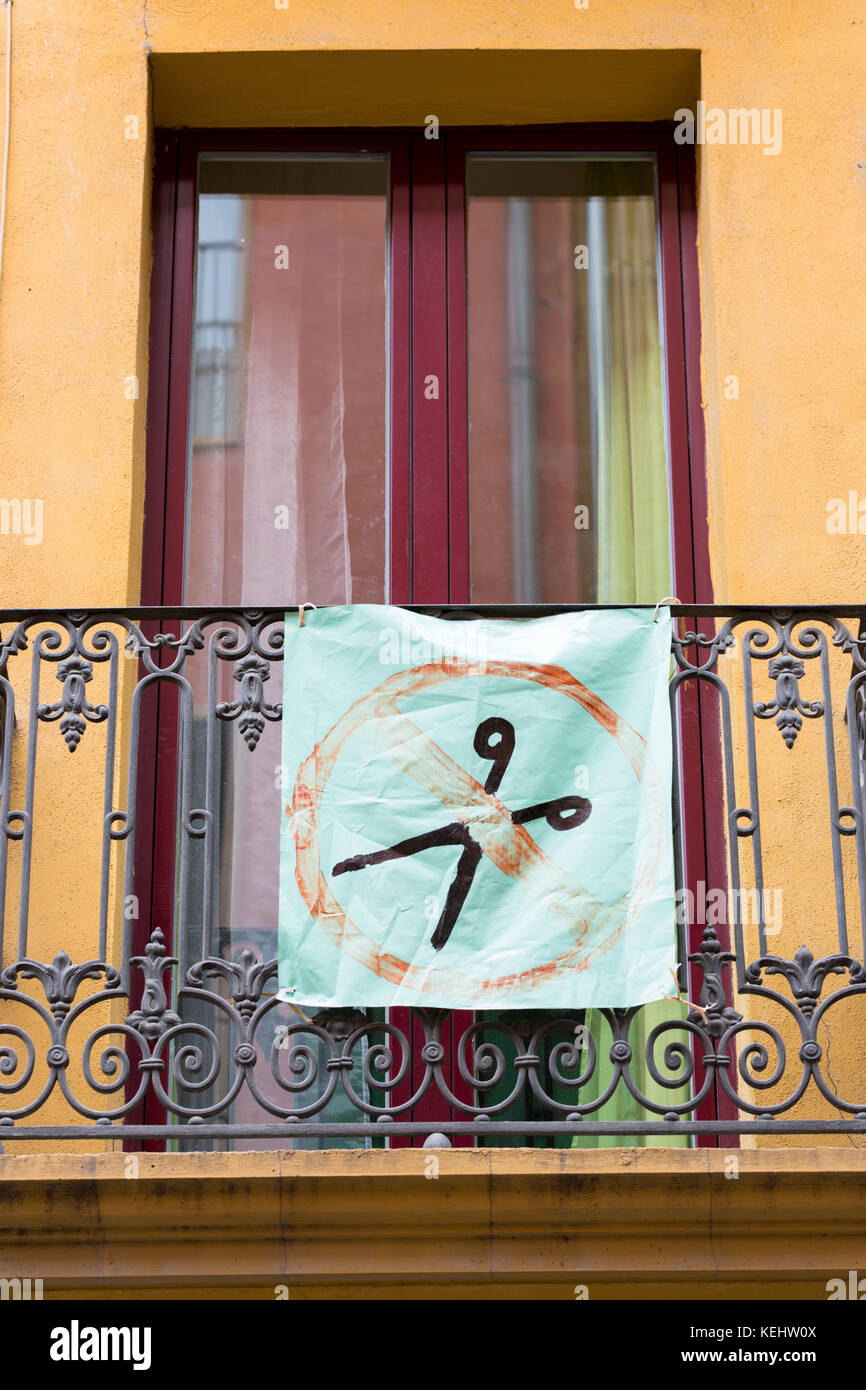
{"points": [[662, 603]]}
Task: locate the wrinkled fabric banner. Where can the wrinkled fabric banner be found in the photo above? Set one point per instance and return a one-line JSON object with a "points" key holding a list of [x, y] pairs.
{"points": [[478, 812]]}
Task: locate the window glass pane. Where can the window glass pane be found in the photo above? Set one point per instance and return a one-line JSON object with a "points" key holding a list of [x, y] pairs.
{"points": [[287, 473], [569, 498], [286, 497], [568, 463]]}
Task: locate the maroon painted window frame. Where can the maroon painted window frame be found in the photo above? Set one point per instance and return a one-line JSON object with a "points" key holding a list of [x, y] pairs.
{"points": [[429, 474]]}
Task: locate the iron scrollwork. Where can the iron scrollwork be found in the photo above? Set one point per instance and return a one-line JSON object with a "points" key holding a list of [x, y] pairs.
{"points": [[167, 1048], [209, 1040]]}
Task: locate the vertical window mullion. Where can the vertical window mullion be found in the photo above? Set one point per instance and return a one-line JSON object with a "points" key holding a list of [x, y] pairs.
{"points": [[458, 373], [400, 356], [429, 374]]}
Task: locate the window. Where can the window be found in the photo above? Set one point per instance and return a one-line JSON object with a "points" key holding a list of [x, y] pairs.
{"points": [[387, 368]]}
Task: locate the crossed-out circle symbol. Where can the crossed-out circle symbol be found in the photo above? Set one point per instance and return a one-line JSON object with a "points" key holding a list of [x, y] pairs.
{"points": [[595, 926]]}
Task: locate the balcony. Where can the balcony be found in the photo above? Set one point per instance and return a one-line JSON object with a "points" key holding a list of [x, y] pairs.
{"points": [[140, 781]]}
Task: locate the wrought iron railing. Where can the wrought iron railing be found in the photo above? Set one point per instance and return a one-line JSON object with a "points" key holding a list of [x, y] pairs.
{"points": [[161, 714]]}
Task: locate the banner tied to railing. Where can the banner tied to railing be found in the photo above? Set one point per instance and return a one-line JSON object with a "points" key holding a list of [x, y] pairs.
{"points": [[479, 811]]}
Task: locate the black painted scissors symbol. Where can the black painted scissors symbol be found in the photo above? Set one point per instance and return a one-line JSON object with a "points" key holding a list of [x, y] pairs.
{"points": [[494, 740]]}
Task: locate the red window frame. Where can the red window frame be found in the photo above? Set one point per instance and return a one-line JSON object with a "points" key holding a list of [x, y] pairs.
{"points": [[429, 467]]}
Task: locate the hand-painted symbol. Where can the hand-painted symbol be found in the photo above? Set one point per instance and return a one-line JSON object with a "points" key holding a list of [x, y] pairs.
{"points": [[591, 926], [494, 740]]}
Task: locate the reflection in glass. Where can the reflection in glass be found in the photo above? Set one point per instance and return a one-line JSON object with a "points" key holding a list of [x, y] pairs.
{"points": [[286, 484], [568, 472], [568, 457]]}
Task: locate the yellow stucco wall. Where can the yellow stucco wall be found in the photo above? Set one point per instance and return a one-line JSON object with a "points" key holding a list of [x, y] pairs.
{"points": [[780, 244], [783, 292]]}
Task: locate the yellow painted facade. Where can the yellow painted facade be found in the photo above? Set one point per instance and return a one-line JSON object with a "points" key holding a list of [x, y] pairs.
{"points": [[783, 294]]}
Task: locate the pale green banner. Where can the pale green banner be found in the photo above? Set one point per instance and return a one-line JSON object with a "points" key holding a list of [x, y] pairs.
{"points": [[479, 812]]}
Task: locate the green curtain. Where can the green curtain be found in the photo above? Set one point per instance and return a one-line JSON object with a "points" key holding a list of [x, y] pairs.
{"points": [[632, 520]]}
